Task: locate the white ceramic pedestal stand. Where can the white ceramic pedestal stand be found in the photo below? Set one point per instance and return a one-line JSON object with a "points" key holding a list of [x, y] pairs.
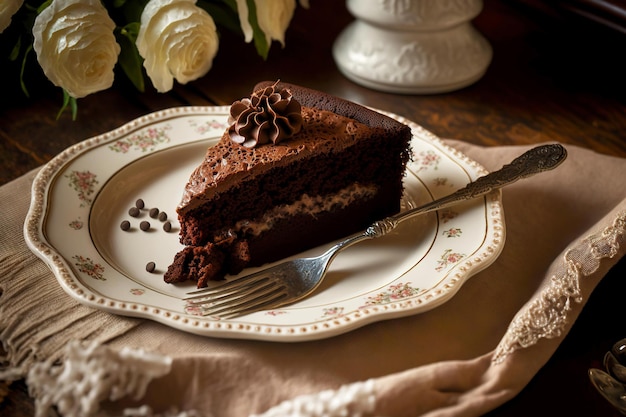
{"points": [[413, 46]]}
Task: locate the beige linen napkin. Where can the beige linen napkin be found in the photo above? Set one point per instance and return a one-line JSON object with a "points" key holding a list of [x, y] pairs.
{"points": [[565, 229]]}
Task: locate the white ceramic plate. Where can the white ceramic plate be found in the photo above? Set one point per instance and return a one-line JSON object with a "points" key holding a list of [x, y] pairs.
{"points": [[80, 198]]}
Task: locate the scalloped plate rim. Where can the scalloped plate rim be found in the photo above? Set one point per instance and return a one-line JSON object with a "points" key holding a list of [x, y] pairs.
{"points": [[66, 276]]}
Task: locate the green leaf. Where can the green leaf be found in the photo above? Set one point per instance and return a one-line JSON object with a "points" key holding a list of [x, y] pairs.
{"points": [[232, 4], [260, 41], [43, 6], [132, 10], [130, 61], [223, 14], [23, 68], [15, 52], [68, 101], [226, 15], [74, 104]]}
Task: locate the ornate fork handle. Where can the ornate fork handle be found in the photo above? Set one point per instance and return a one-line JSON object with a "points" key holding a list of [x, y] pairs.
{"points": [[293, 280], [536, 160]]}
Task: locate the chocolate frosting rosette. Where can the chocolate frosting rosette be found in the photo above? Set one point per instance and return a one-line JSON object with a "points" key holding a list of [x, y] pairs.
{"points": [[269, 116]]}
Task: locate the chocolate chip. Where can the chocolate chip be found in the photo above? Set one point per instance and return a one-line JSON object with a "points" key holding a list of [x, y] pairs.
{"points": [[162, 216], [133, 212], [150, 266], [140, 204], [167, 226], [125, 225], [144, 225], [154, 212]]}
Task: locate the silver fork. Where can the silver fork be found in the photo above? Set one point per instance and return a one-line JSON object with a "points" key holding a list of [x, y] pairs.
{"points": [[292, 280]]}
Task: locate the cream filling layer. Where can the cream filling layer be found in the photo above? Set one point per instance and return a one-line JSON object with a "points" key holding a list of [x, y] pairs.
{"points": [[304, 205]]}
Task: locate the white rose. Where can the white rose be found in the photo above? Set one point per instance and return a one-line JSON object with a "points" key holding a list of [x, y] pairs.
{"points": [[75, 46], [178, 40], [274, 17], [7, 9], [244, 20]]}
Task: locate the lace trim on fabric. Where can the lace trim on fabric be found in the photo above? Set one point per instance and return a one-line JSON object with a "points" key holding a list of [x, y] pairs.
{"points": [[90, 375], [356, 399], [546, 315]]}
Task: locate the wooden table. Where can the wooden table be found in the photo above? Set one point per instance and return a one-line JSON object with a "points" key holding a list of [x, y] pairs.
{"points": [[551, 79]]}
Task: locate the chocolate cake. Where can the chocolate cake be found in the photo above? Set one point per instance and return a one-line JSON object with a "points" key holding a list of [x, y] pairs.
{"points": [[297, 168]]}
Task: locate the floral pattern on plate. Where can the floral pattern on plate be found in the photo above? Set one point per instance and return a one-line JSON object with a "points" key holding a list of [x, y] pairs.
{"points": [[76, 230], [88, 267], [393, 293], [84, 183], [145, 140]]}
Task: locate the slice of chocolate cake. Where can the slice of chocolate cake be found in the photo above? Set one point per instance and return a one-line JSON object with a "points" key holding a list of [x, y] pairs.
{"points": [[297, 168]]}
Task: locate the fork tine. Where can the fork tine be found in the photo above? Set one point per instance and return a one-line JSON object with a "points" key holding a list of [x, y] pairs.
{"points": [[228, 287], [275, 302], [234, 306], [232, 296]]}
